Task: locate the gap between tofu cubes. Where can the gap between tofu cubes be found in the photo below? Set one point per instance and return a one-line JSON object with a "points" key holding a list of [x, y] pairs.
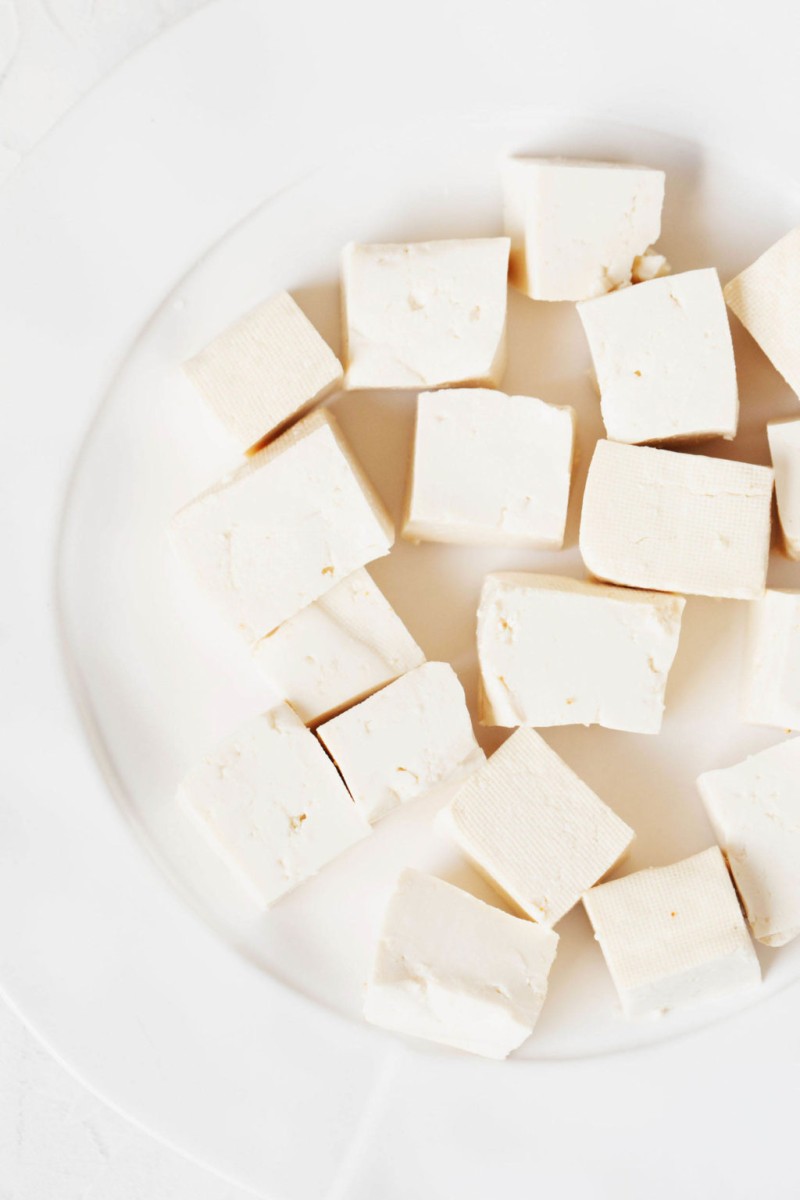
{"points": [[281, 545]]}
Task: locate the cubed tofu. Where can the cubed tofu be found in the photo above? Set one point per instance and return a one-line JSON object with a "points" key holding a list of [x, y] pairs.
{"points": [[673, 937], [771, 693], [265, 370], [534, 829], [784, 445], [489, 469], [754, 808], [425, 314], [454, 970], [663, 357], [649, 266], [272, 805], [296, 519], [404, 741], [766, 299], [676, 522], [338, 650], [577, 227], [557, 651]]}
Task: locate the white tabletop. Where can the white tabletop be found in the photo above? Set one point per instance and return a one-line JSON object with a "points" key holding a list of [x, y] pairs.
{"points": [[57, 1140]]}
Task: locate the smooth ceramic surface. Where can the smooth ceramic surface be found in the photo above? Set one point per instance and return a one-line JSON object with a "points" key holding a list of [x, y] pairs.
{"points": [[171, 1021]]}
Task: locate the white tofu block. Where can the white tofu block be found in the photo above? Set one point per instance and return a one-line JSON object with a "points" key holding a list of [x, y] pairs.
{"points": [[649, 266], [425, 314], [754, 808], [676, 522], [265, 370], [766, 299], [454, 970], [771, 694], [272, 805], [490, 469], [663, 356], [404, 741], [338, 650], [784, 445], [577, 227], [673, 937], [534, 829], [296, 519], [557, 651]]}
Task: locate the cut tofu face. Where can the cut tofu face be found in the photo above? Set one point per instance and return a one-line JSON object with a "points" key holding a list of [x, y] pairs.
{"points": [[766, 299], [771, 692], [534, 829], [754, 808], [576, 227], [272, 805], [663, 356], [425, 314], [265, 370], [558, 651], [490, 469], [673, 937], [404, 741], [454, 970], [294, 521], [784, 445], [338, 650], [676, 522]]}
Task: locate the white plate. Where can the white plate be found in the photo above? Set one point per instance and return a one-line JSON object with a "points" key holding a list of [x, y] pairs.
{"points": [[243, 1046]]}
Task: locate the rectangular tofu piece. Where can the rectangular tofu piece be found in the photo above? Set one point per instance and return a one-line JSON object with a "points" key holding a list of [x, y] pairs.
{"points": [[578, 227], [534, 829], [673, 937], [784, 445], [676, 522], [338, 650], [296, 519], [766, 299], [404, 741], [771, 692], [272, 805], [557, 651], [663, 357], [265, 370], [425, 314], [754, 808], [454, 970], [490, 469]]}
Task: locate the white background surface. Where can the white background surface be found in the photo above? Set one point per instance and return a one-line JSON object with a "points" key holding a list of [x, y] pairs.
{"points": [[613, 60], [57, 1142]]}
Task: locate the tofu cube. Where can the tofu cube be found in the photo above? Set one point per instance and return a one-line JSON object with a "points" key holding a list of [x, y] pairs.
{"points": [[673, 937], [490, 469], [577, 227], [338, 650], [649, 266], [676, 522], [771, 694], [265, 370], [296, 519], [271, 804], [766, 299], [557, 651], [425, 314], [534, 829], [404, 741], [784, 445], [754, 808], [454, 970], [663, 356]]}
